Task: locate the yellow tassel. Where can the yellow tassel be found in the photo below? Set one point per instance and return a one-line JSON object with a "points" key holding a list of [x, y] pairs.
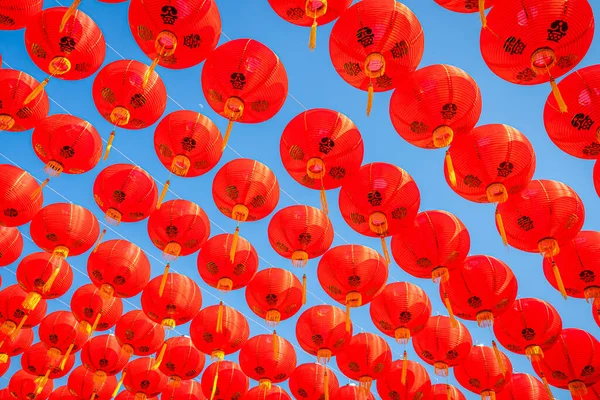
{"points": [[547, 386], [160, 357], [38, 191], [165, 189], [96, 322], [41, 382], [404, 368], [450, 167], [386, 253], [234, 243], [482, 13], [312, 41], [93, 396], [326, 384], [150, 70], [218, 355], [499, 359], [14, 333], [99, 377], [559, 281], [558, 97], [453, 320], [163, 281], [111, 139], [215, 380], [324, 205], [63, 363], [3, 356], [448, 392], [304, 289], [227, 133], [348, 322], [31, 300], [36, 92], [219, 328], [8, 327], [116, 391], [275, 346], [534, 353], [99, 240], [70, 11], [500, 224], [369, 98]]}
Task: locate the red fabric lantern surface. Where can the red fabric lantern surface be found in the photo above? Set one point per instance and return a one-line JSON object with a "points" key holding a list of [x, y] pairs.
{"points": [[43, 276], [60, 393], [188, 143], [443, 343], [232, 383], [490, 163], [481, 290], [20, 196], [143, 380], [66, 143], [16, 13], [485, 371], [178, 228], [572, 363], [375, 44], [401, 310], [177, 35], [321, 149], [125, 395], [575, 132], [16, 115], [578, 266], [417, 386], [187, 390], [464, 6], [366, 358], [126, 193], [597, 177], [216, 268], [219, 330], [102, 355], [12, 313], [523, 387], [23, 385], [36, 361], [182, 361], [61, 335], [82, 384], [93, 311], [313, 381], [267, 359], [244, 81], [593, 393], [180, 301], [321, 332], [118, 268], [13, 346], [76, 52], [271, 393], [435, 105], [300, 233], [524, 42], [352, 392], [379, 200], [138, 335], [64, 229], [440, 392], [275, 294]]}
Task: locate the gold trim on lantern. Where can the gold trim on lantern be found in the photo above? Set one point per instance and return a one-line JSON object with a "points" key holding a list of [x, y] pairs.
{"points": [[542, 59], [496, 193], [60, 252], [374, 59], [272, 317], [324, 355], [53, 168], [378, 223], [315, 168], [442, 136], [59, 66], [402, 335], [217, 355], [234, 108], [240, 213], [120, 116], [440, 274], [180, 165], [577, 388], [6, 122], [488, 395], [316, 13], [485, 319], [353, 299], [548, 247], [107, 291], [113, 216], [169, 323], [440, 368], [171, 251], [225, 284], [160, 45], [127, 349], [299, 258], [534, 353]]}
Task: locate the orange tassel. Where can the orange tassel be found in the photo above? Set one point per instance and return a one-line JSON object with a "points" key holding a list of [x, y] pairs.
{"points": [[215, 380], [482, 13], [500, 224], [228, 133], [450, 168], [14, 333], [369, 98], [404, 368], [386, 253], [38, 191], [448, 392], [70, 11], [36, 92], [234, 243], [99, 240], [219, 328], [165, 189], [160, 357], [304, 289], [96, 322], [163, 282], [151, 69], [275, 346], [559, 281], [324, 205], [348, 322], [326, 384], [559, 99], [453, 320], [48, 285], [312, 41], [114, 394], [111, 139], [499, 359], [63, 363]]}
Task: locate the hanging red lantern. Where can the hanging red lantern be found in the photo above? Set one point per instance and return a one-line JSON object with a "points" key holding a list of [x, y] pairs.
{"points": [[443, 343], [129, 95], [12, 346], [143, 380], [20, 194], [102, 355], [401, 310], [417, 384], [178, 35], [94, 311], [23, 385], [83, 385], [218, 270], [244, 81], [231, 382], [523, 387], [181, 361], [16, 115], [373, 56], [275, 294], [321, 332], [380, 200], [524, 42], [178, 228], [36, 361], [16, 14], [188, 143], [446, 392], [11, 245], [467, 6], [61, 335], [64, 229], [321, 149], [187, 390], [300, 233], [352, 392], [118, 268], [313, 381], [435, 105], [125, 395], [270, 393], [138, 335], [489, 164], [13, 316], [485, 371], [126, 193], [60, 393]]}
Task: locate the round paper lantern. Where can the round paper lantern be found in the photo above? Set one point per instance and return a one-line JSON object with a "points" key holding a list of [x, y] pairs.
{"points": [[244, 81], [125, 395], [94, 311], [61, 393], [13, 346], [17, 13], [17, 115], [60, 332], [436, 243], [352, 392], [435, 105], [43, 276], [445, 392], [405, 379], [485, 371], [82, 385], [264, 393], [465, 6], [321, 332], [313, 381], [12, 313], [20, 196], [36, 360], [138, 335], [181, 361], [267, 359], [231, 382], [143, 379], [524, 386], [23, 385], [373, 55], [187, 390], [102, 355]]}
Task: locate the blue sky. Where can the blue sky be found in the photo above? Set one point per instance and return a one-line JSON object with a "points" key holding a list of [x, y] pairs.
{"points": [[450, 38]]}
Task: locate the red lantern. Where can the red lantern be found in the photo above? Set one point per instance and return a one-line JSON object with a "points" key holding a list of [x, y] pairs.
{"points": [[270, 393], [13, 346], [572, 363], [275, 294], [465, 6], [401, 310], [118, 268], [232, 383], [219, 330], [20, 194], [177, 37], [300, 233], [61, 334], [181, 361], [61, 393], [23, 385], [321, 148], [12, 313], [312, 382], [443, 343], [267, 359], [125, 193], [36, 361], [64, 229], [143, 380], [523, 387], [379, 200], [187, 390], [366, 358], [15, 88], [188, 143], [244, 81], [102, 355], [524, 42], [352, 392], [125, 395], [178, 228], [321, 332], [417, 384], [16, 14], [43, 276], [139, 335], [93, 311], [485, 371], [445, 392], [218, 270], [83, 385], [435, 105], [375, 56]]}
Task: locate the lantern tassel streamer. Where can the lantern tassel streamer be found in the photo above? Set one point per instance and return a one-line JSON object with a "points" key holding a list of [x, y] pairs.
{"points": [[213, 392], [228, 133], [499, 359], [14, 333], [150, 70], [31, 300], [312, 41], [165, 189], [36, 92], [348, 321], [99, 240], [326, 385], [559, 281], [38, 191], [70, 11], [114, 394], [160, 357], [404, 368], [448, 392], [500, 224], [304, 289], [163, 281], [453, 320], [324, 205], [386, 253], [219, 328], [369, 98], [450, 167], [482, 13], [111, 139], [63, 363], [558, 96], [234, 243], [275, 346]]}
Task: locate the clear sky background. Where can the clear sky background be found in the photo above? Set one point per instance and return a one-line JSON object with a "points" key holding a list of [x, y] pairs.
{"points": [[450, 38]]}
